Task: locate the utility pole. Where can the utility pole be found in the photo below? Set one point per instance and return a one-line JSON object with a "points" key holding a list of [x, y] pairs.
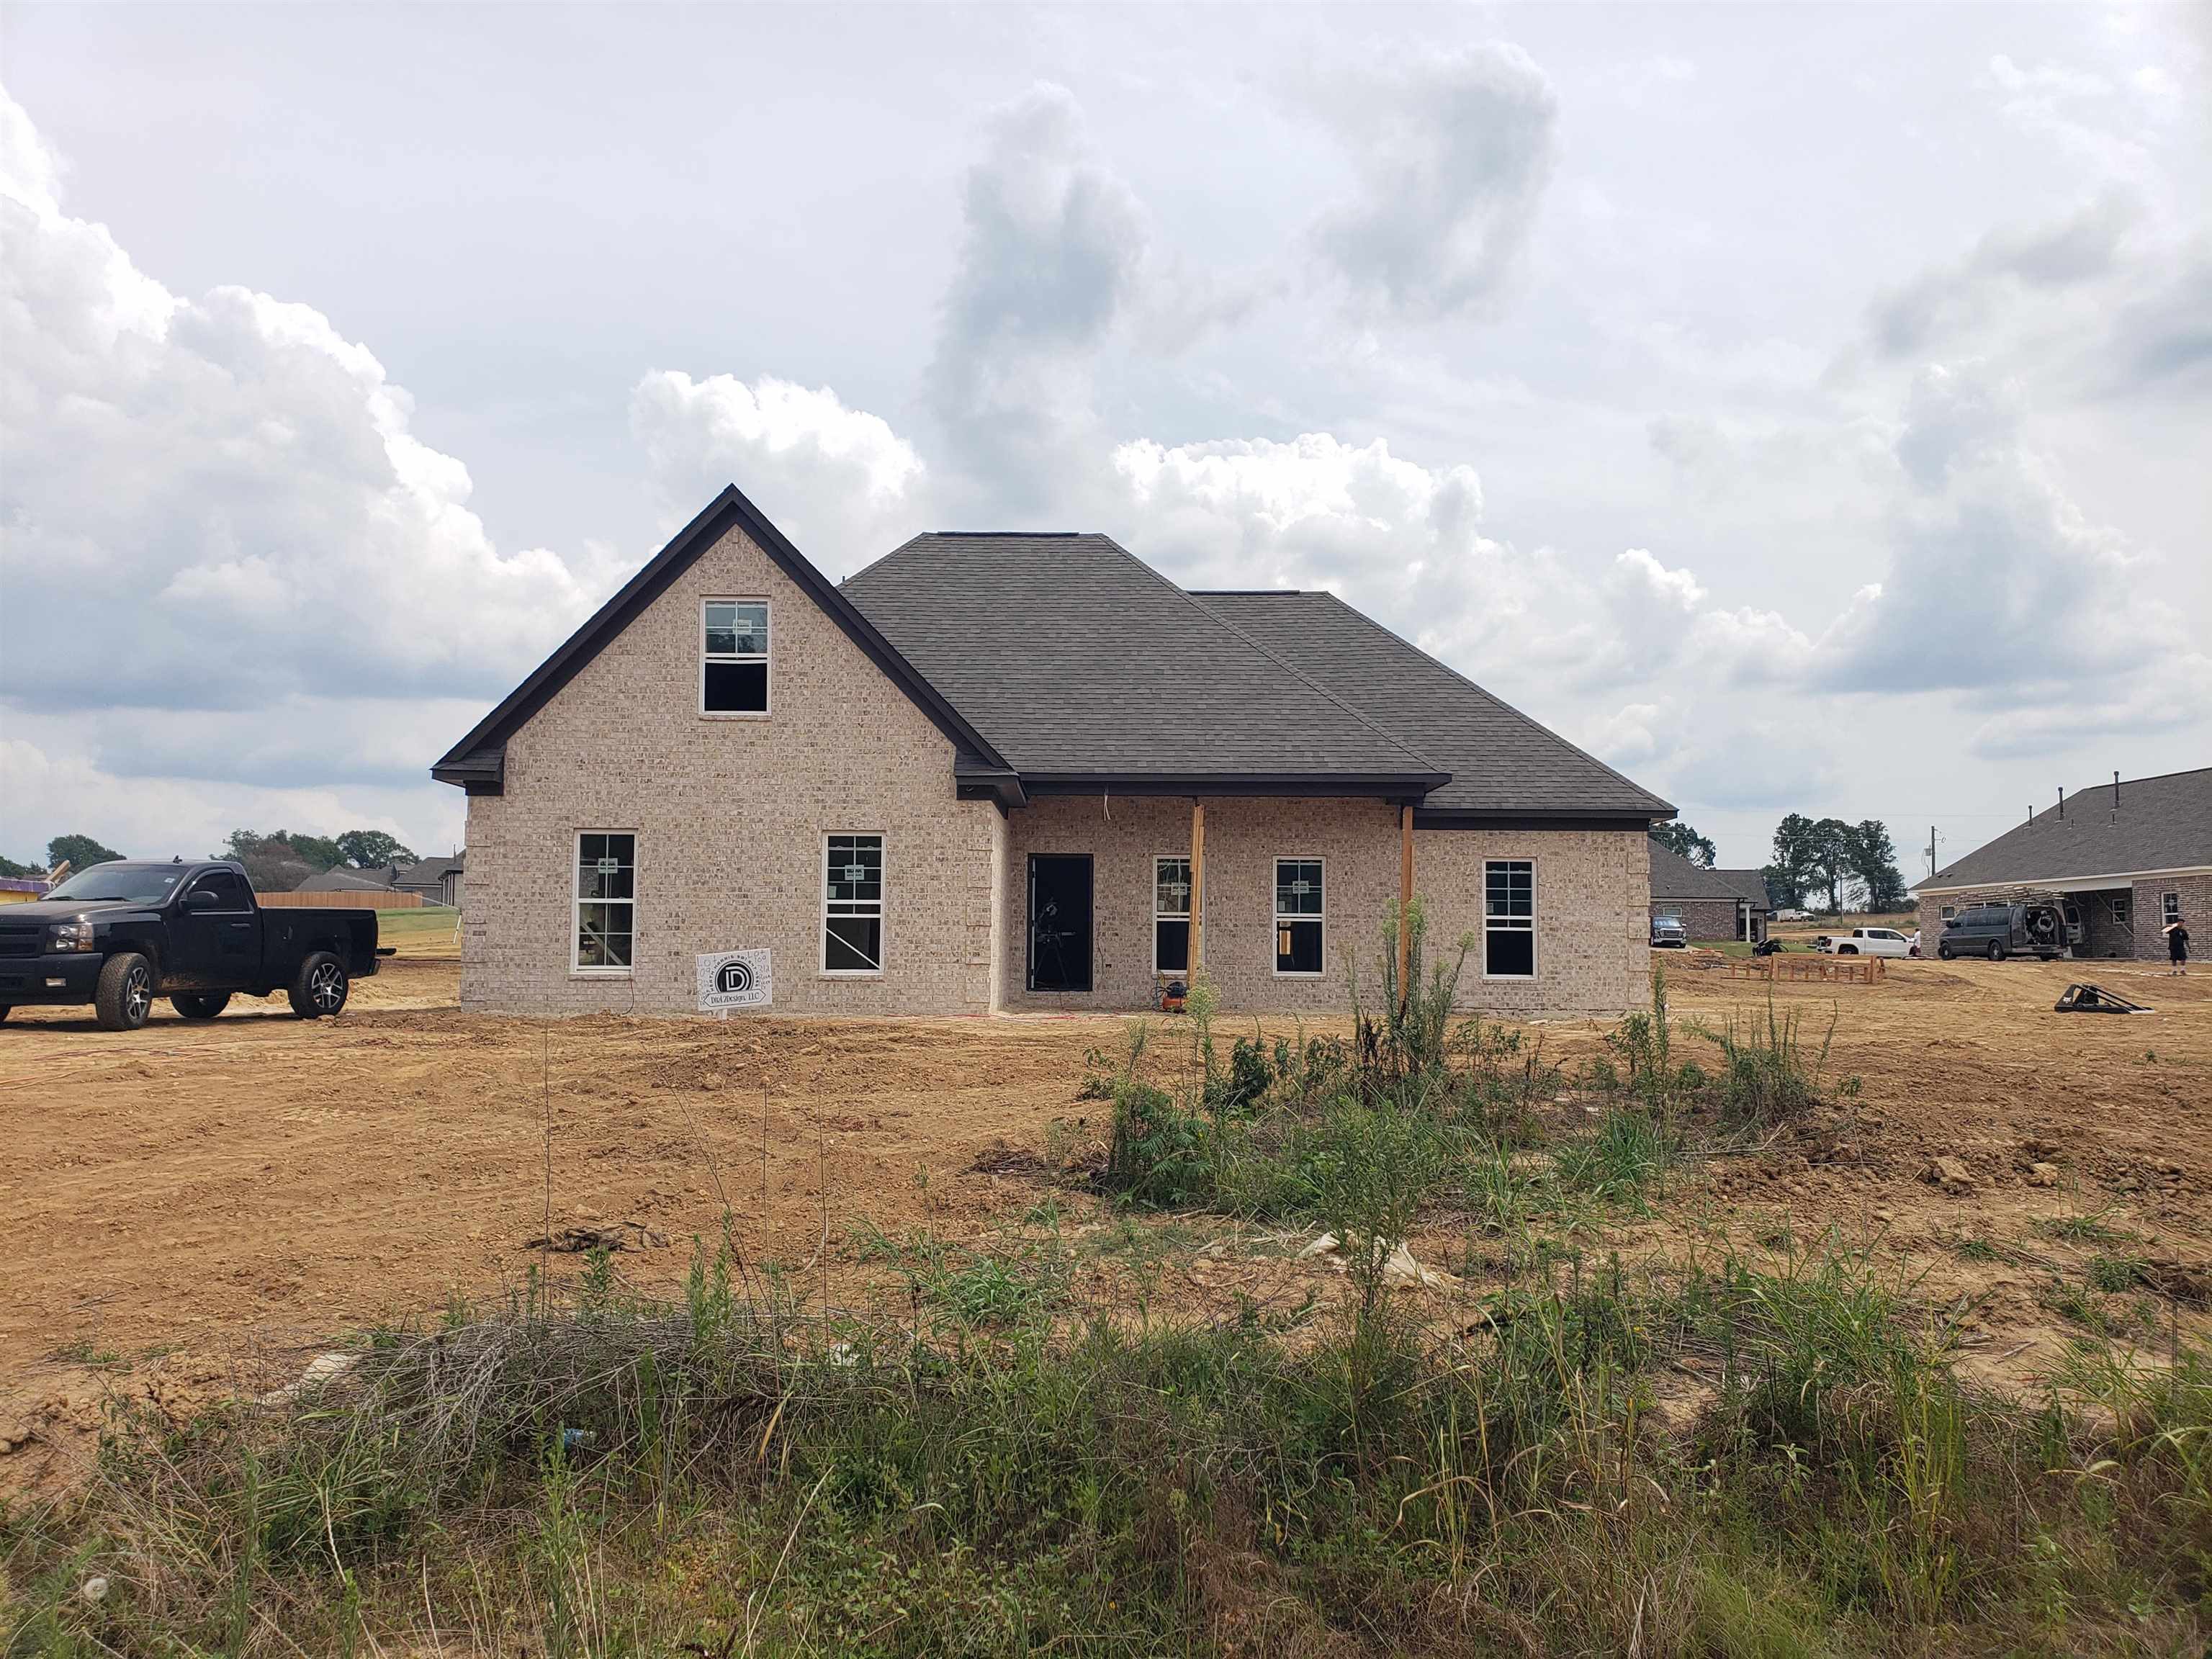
{"points": [[1932, 852]]}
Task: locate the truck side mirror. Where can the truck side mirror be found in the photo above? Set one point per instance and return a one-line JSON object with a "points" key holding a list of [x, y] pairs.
{"points": [[200, 899]]}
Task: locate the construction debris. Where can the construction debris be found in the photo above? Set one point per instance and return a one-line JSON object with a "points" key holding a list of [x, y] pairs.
{"points": [[581, 1241], [1399, 1268], [2084, 998]]}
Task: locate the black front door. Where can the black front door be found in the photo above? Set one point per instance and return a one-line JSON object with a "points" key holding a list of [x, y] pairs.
{"points": [[1060, 921]]}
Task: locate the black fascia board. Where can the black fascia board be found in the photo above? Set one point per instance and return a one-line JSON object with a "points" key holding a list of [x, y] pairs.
{"points": [[1426, 817], [465, 763], [1392, 785]]}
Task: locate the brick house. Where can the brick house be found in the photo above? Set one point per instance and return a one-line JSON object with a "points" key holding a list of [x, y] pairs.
{"points": [[1007, 772], [1710, 904], [2122, 860]]}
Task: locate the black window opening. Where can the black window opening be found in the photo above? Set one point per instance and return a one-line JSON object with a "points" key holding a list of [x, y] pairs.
{"points": [[606, 901], [734, 658], [1509, 919], [853, 905], [229, 889], [1171, 915], [1060, 921], [1299, 915]]}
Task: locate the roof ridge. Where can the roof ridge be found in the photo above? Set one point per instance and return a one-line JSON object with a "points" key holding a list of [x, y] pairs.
{"points": [[1220, 621], [1517, 714]]}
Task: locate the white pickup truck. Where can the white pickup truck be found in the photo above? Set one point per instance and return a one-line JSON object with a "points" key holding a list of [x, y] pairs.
{"points": [[1866, 942]]}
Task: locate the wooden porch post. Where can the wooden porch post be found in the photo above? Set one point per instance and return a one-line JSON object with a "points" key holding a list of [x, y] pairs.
{"points": [[1405, 900], [1197, 886]]}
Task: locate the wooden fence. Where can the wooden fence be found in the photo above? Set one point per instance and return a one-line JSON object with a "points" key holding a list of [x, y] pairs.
{"points": [[343, 898], [1808, 970]]}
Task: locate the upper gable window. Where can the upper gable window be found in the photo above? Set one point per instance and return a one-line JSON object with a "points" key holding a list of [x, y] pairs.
{"points": [[733, 657]]}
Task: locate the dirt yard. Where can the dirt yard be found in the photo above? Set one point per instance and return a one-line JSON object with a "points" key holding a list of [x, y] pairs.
{"points": [[187, 1196]]}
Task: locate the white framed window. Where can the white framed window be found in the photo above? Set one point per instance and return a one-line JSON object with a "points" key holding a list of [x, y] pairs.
{"points": [[2169, 908], [1509, 919], [852, 904], [733, 657], [1170, 915], [2124, 909], [605, 933], [1949, 911], [1299, 917]]}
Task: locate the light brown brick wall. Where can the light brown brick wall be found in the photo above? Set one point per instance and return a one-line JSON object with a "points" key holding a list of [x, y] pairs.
{"points": [[730, 816], [1592, 930], [1705, 919], [1591, 886]]}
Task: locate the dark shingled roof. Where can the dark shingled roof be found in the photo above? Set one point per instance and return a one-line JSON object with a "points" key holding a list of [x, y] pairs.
{"points": [[1501, 761], [2156, 824], [1673, 877], [1080, 662]]}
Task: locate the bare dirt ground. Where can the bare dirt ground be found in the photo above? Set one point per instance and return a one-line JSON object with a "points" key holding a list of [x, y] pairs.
{"points": [[191, 1207]]}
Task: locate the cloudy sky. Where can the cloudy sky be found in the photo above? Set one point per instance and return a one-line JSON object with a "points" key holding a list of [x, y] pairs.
{"points": [[1803, 409]]}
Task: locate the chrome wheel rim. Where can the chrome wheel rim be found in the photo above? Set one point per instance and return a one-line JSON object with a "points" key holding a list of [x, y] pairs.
{"points": [[137, 994], [326, 987]]}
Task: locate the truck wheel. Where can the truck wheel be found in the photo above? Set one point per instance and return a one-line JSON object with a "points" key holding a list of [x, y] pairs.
{"points": [[1847, 950], [1996, 952], [321, 986], [125, 995], [202, 1006], [1944, 951]]}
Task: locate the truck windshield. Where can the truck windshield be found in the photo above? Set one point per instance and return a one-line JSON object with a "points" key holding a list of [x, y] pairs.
{"points": [[133, 884]]}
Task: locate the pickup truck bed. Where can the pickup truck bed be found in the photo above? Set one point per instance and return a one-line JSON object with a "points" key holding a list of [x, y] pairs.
{"points": [[119, 935]]}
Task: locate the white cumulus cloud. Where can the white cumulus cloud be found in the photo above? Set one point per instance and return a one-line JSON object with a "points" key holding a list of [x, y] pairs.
{"points": [[836, 480], [225, 495]]}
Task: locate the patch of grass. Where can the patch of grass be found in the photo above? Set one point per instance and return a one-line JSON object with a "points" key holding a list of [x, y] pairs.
{"points": [[623, 1476], [2078, 1228], [83, 1350], [420, 931], [2116, 1275]]}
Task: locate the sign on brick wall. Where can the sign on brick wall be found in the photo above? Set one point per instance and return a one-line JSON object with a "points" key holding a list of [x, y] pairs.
{"points": [[734, 979]]}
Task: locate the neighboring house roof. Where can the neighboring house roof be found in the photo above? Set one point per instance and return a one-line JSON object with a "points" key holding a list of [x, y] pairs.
{"points": [[350, 881], [1502, 763], [2137, 827], [1673, 877], [478, 761], [1084, 666], [430, 872]]}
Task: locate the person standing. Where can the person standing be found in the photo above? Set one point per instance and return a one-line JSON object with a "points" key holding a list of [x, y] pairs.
{"points": [[2177, 946]]}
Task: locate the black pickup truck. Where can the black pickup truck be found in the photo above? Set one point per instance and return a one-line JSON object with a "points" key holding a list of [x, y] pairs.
{"points": [[119, 935]]}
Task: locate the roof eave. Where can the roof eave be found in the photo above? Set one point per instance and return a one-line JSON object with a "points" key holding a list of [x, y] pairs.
{"points": [[1394, 785]]}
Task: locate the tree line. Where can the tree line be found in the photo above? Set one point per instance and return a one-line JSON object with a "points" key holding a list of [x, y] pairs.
{"points": [[1815, 859], [274, 862]]}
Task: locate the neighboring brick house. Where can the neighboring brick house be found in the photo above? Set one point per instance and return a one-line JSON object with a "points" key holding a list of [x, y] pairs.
{"points": [[1000, 772], [342, 879], [437, 881], [1710, 904], [2123, 859]]}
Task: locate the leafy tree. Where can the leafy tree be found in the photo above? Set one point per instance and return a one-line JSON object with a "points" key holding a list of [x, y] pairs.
{"points": [[1832, 859], [321, 851], [1797, 860], [372, 849], [1681, 838], [272, 864], [10, 870], [80, 852], [1873, 858]]}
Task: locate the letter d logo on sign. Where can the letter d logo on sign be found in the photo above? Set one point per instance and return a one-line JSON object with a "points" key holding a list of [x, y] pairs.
{"points": [[734, 979]]}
